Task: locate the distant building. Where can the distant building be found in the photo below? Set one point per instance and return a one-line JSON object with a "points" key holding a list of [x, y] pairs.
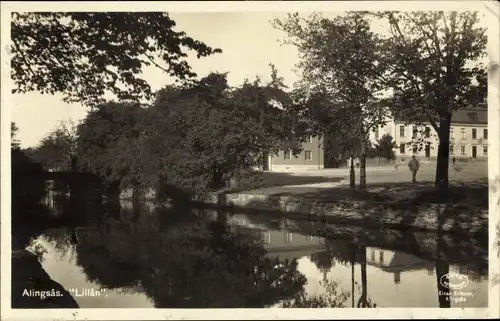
{"points": [[468, 136], [311, 157], [279, 242]]}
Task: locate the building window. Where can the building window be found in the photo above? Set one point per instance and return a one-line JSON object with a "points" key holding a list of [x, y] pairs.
{"points": [[377, 133], [288, 237], [381, 257], [266, 237], [485, 133], [427, 132], [373, 256], [473, 116], [308, 155], [474, 133], [287, 154], [485, 150], [451, 132], [402, 148], [310, 139], [462, 150], [415, 131], [462, 133], [402, 131], [451, 149]]}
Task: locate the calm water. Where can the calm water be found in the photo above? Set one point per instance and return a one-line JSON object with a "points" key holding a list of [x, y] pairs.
{"points": [[207, 259]]}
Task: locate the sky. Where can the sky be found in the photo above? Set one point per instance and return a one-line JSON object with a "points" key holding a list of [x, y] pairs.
{"points": [[249, 43]]}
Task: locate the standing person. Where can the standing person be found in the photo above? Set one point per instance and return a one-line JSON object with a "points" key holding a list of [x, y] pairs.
{"points": [[414, 165], [454, 160]]}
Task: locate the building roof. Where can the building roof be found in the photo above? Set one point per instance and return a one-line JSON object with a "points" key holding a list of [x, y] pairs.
{"points": [[470, 116], [477, 115], [294, 253], [401, 262]]}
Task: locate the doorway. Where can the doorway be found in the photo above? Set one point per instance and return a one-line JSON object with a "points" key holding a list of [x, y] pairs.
{"points": [[428, 150], [474, 151]]}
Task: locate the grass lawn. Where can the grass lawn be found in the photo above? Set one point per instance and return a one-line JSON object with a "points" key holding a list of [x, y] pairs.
{"points": [[471, 193], [468, 185], [278, 181]]}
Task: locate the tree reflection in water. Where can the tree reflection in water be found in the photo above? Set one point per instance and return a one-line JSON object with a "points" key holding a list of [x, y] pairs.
{"points": [[182, 262], [344, 253]]}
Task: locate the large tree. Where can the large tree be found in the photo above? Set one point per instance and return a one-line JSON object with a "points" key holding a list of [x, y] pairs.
{"points": [[385, 147], [210, 133], [85, 54], [27, 187], [434, 65], [109, 142], [58, 149], [340, 63]]}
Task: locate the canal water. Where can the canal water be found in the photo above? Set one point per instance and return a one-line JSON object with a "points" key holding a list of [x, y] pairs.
{"points": [[142, 257]]}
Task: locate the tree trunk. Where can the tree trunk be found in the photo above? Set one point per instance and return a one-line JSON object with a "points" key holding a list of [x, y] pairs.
{"points": [[363, 300], [362, 166], [352, 174], [73, 163], [353, 260], [442, 269], [265, 160], [441, 181], [217, 178], [113, 191]]}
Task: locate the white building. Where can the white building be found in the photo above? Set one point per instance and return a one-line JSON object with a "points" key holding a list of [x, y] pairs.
{"points": [[468, 136]]}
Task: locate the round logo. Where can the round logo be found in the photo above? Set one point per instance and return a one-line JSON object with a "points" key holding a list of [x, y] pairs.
{"points": [[454, 281]]}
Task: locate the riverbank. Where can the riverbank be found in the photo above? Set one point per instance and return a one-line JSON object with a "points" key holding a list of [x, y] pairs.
{"points": [[390, 200], [32, 287], [402, 206]]}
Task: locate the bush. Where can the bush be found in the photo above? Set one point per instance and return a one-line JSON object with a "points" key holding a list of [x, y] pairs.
{"points": [[28, 186], [246, 180]]}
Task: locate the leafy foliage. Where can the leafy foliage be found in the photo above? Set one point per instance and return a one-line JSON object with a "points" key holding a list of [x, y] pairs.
{"points": [[109, 141], [340, 66], [433, 63], [195, 137], [27, 187], [57, 149], [340, 63], [334, 298], [14, 142], [85, 54], [385, 147], [209, 134]]}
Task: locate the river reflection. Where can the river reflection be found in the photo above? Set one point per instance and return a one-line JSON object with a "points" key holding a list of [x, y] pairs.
{"points": [[211, 259]]}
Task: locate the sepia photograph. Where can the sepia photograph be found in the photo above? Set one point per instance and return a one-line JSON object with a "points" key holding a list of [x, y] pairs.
{"points": [[276, 156]]}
